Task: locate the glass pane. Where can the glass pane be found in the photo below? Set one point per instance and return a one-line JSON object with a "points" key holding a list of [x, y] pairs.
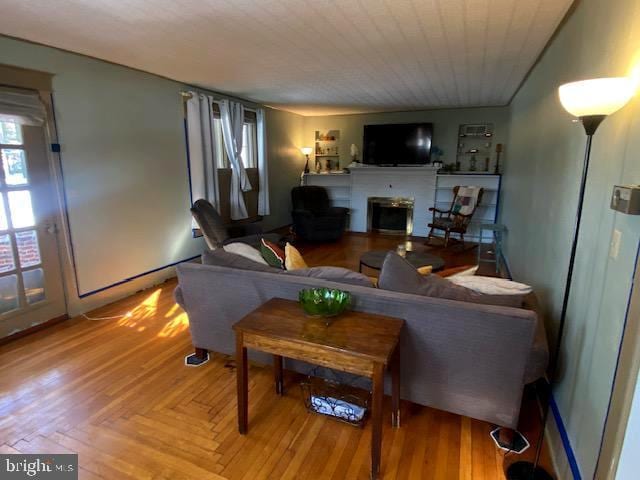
{"points": [[20, 208], [15, 166], [34, 285], [28, 249], [6, 254], [8, 293], [218, 145], [10, 132], [3, 216]]}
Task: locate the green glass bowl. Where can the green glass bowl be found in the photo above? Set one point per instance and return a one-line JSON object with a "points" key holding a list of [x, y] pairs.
{"points": [[324, 302]]}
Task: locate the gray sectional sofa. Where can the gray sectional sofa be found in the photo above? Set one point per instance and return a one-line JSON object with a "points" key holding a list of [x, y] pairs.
{"points": [[464, 358]]}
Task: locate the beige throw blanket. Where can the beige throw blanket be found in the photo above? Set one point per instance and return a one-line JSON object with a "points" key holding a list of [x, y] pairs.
{"points": [[466, 200]]}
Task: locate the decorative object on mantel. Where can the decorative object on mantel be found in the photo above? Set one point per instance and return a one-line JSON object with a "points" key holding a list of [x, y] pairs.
{"points": [[591, 101], [436, 154], [327, 149], [306, 152], [354, 152], [324, 302], [473, 140], [472, 163]]}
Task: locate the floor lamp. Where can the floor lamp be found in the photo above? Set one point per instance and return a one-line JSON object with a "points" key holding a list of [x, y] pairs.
{"points": [[591, 101]]}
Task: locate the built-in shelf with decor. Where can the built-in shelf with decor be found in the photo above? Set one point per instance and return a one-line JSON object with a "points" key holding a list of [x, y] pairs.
{"points": [[327, 150]]}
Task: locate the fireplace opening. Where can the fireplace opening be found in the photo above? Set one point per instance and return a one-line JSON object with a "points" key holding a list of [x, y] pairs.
{"points": [[390, 215]]}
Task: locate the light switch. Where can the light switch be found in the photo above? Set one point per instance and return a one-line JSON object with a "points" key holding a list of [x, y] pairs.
{"points": [[615, 244]]}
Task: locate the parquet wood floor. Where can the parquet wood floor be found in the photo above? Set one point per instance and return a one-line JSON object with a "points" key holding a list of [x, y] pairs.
{"points": [[118, 393]]}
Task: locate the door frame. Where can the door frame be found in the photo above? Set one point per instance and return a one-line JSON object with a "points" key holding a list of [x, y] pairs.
{"points": [[624, 384], [41, 83]]}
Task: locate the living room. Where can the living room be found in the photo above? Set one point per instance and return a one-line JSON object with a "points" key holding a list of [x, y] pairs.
{"points": [[116, 119]]}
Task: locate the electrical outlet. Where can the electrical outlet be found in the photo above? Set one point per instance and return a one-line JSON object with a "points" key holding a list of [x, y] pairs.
{"points": [[615, 244]]}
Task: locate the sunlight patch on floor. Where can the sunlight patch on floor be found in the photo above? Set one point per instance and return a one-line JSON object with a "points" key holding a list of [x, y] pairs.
{"points": [[145, 310], [174, 326]]}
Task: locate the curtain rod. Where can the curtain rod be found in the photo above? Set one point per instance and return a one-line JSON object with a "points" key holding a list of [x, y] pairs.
{"points": [[186, 95]]}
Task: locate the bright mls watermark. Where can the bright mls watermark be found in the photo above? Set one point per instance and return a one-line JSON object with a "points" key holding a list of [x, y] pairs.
{"points": [[57, 466]]}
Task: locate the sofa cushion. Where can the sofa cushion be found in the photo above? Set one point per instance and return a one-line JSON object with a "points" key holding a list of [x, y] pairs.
{"points": [[221, 258], [398, 275], [333, 274], [463, 270], [246, 251], [491, 285]]}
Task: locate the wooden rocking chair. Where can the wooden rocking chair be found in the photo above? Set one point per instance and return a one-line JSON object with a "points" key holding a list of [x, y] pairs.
{"points": [[450, 221]]}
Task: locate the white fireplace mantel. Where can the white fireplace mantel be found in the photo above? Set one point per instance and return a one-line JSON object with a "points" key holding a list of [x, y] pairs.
{"points": [[417, 183], [421, 184]]}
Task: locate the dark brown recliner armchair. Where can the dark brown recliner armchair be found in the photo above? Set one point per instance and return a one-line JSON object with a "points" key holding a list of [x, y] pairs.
{"points": [[217, 234], [314, 219]]}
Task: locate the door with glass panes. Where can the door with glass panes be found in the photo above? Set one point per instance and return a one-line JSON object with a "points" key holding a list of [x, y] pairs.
{"points": [[31, 290]]}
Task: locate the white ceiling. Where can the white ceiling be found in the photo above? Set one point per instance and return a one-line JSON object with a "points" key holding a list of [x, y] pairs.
{"points": [[309, 56]]}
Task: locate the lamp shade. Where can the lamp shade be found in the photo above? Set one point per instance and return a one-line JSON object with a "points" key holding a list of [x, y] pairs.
{"points": [[306, 150], [599, 96]]}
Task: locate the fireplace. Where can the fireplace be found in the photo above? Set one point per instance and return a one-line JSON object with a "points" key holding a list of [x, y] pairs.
{"points": [[390, 215]]}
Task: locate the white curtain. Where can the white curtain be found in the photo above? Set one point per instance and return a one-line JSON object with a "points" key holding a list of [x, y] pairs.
{"points": [[263, 171], [23, 107], [232, 117], [202, 155]]}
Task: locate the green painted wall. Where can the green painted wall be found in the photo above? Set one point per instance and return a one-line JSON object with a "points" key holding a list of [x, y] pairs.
{"points": [[445, 127], [284, 140], [601, 38], [124, 160]]}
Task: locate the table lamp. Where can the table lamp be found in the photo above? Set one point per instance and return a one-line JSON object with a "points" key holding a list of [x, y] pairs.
{"points": [[306, 151]]}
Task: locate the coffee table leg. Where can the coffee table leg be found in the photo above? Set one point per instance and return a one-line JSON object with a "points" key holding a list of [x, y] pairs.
{"points": [[242, 384], [376, 419], [277, 370], [395, 387]]}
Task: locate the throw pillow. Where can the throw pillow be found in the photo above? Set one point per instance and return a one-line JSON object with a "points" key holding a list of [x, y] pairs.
{"points": [[492, 285], [333, 274], [455, 271], [426, 270], [292, 258], [246, 251], [398, 275], [272, 254], [221, 258]]}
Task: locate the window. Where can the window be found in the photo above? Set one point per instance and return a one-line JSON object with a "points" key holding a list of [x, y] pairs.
{"points": [[19, 246], [249, 146], [249, 151]]}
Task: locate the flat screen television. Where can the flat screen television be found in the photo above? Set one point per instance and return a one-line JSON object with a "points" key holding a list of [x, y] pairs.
{"points": [[397, 144]]}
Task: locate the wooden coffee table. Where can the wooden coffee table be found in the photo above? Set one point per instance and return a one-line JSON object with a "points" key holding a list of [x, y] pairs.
{"points": [[359, 343]]}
